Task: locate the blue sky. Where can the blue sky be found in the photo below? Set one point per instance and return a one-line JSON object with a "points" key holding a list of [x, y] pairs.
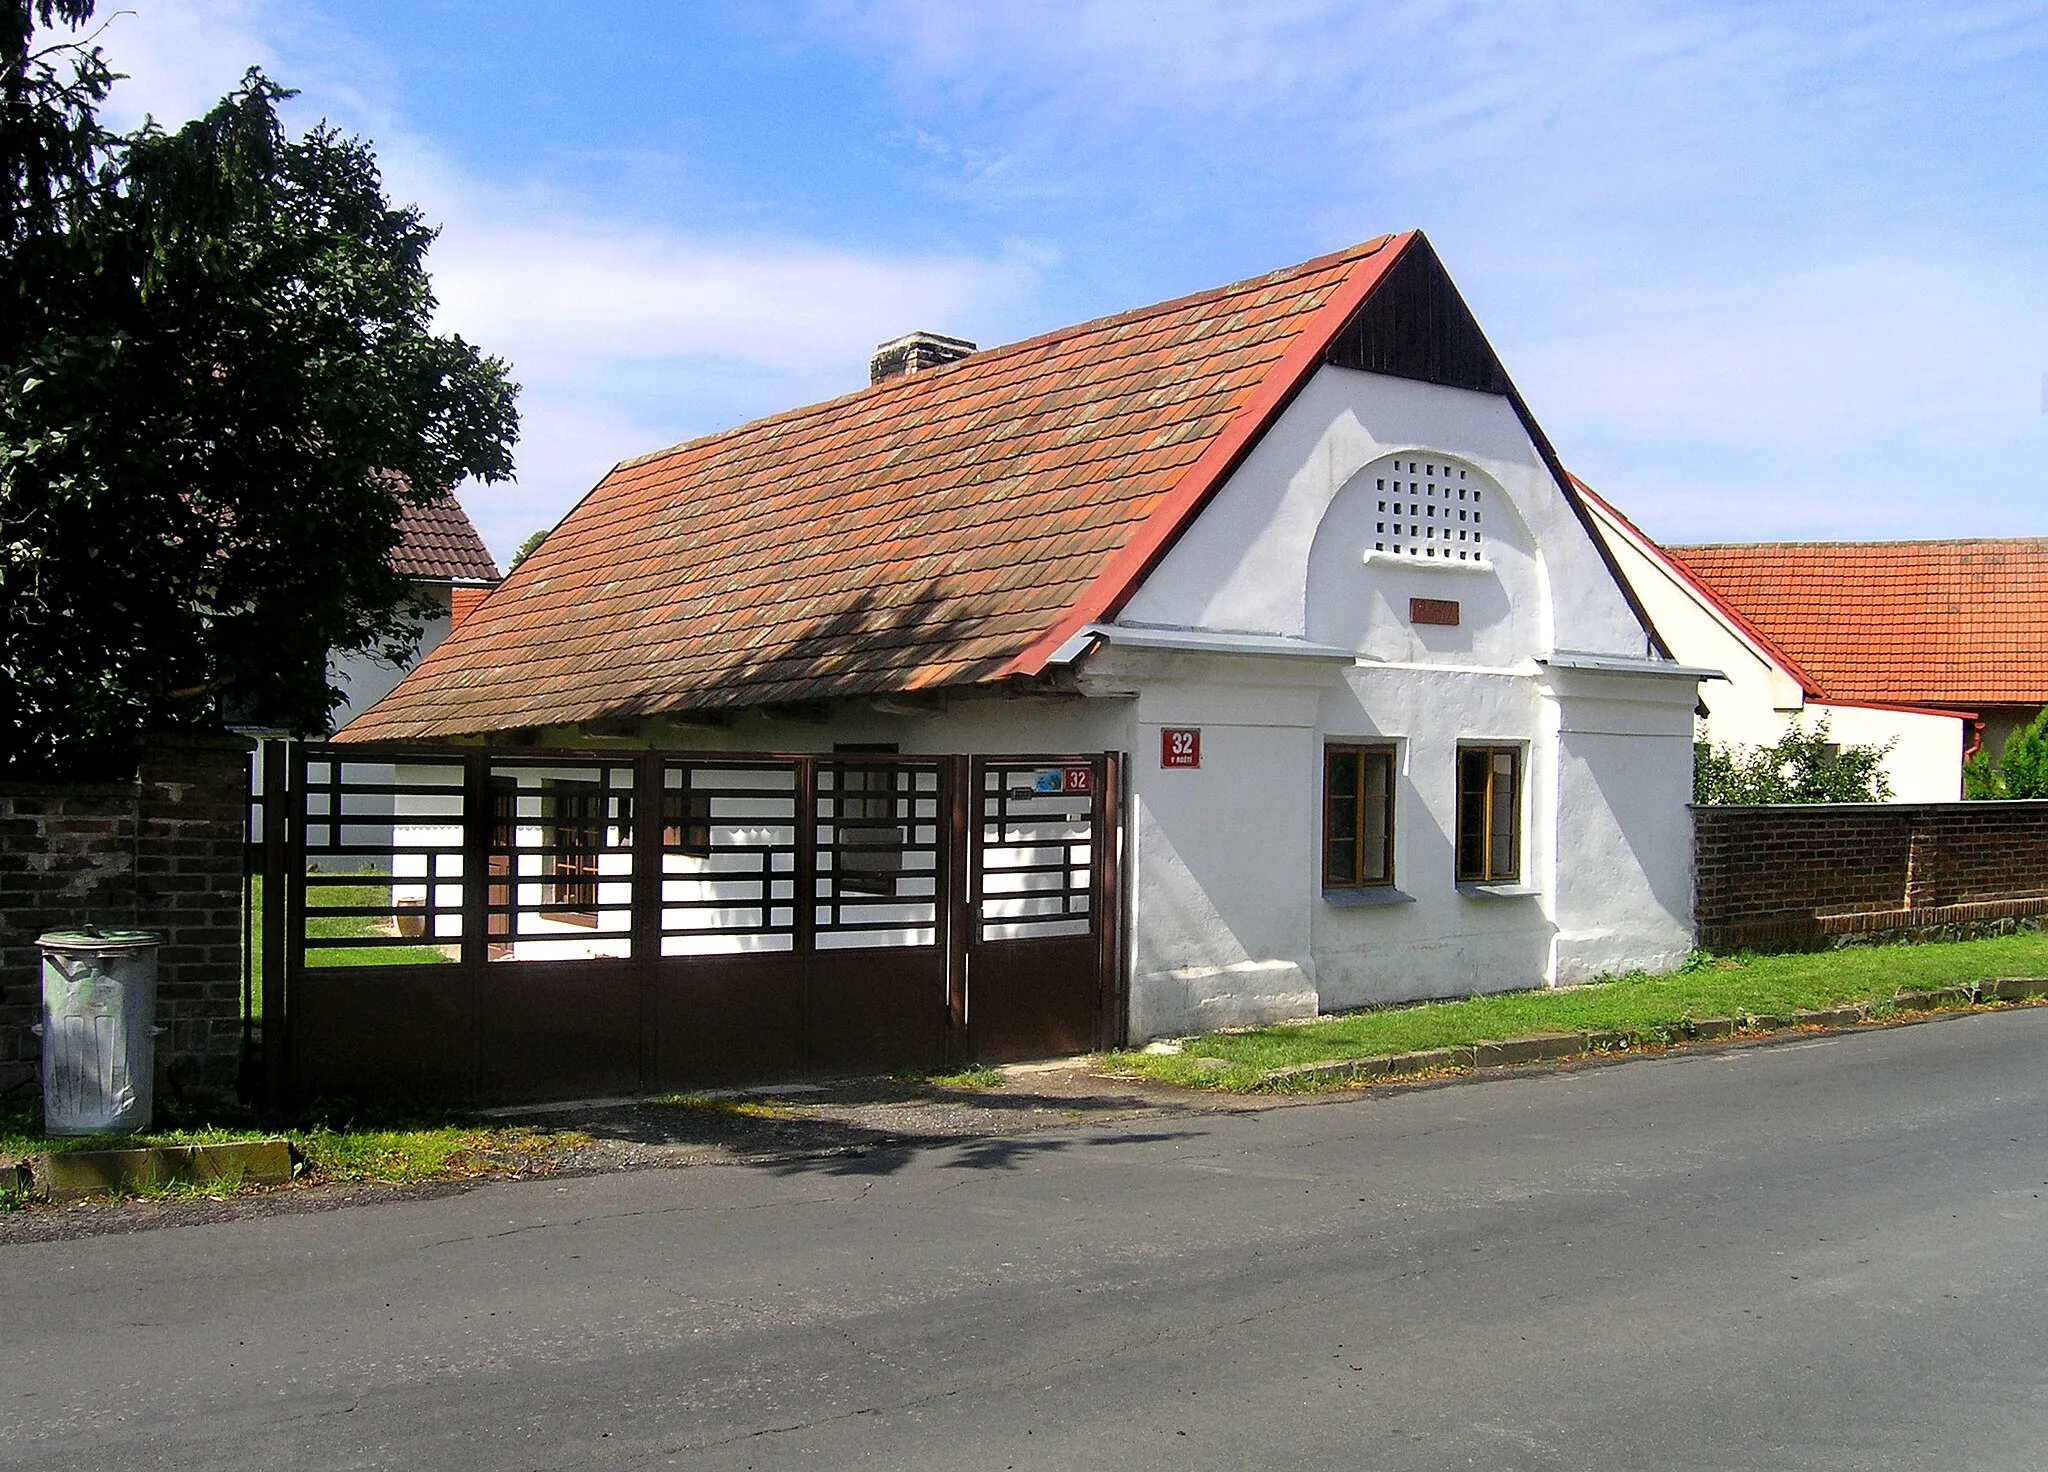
{"points": [[1762, 271]]}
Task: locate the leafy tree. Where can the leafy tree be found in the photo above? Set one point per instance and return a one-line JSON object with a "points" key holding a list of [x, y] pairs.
{"points": [[219, 385], [2021, 769], [1800, 766], [526, 547]]}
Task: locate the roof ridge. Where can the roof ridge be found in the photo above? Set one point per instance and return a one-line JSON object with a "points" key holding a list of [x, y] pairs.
{"points": [[1888, 542], [984, 356]]}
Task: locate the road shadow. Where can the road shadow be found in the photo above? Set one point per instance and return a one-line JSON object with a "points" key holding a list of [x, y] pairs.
{"points": [[996, 1154]]}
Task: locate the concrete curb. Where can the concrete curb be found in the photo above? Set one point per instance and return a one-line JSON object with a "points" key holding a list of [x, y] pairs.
{"points": [[1565, 1047], [68, 1175]]}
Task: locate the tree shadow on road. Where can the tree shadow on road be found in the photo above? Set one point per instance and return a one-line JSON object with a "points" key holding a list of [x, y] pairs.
{"points": [[1001, 1153]]}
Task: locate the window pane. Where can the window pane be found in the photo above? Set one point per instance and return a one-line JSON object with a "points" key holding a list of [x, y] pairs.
{"points": [[1507, 808], [1340, 816], [1472, 775], [1376, 814]]}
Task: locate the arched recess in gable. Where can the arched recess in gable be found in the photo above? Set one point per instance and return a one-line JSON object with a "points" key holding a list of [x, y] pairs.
{"points": [[1410, 533]]}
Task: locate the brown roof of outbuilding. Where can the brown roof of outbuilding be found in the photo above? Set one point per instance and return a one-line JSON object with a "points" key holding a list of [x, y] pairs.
{"points": [[437, 542], [1958, 623], [949, 527]]}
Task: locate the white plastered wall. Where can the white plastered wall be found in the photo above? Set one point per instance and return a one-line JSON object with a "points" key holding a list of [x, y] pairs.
{"points": [[1606, 883], [364, 679], [1760, 700]]}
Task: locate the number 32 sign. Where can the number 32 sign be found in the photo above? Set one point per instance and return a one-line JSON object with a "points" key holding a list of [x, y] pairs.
{"points": [[1180, 746]]}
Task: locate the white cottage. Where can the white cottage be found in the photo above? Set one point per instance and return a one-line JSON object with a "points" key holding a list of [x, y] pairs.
{"points": [[1390, 724]]}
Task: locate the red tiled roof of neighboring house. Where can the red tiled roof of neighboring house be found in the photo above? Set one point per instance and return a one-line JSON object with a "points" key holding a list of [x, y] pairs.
{"points": [[437, 543], [946, 527], [1962, 623]]}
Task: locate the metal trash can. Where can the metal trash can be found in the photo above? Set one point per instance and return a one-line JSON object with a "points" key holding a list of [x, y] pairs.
{"points": [[99, 1030]]}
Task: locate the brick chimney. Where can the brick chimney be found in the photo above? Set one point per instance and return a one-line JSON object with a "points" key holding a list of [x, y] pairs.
{"points": [[463, 601], [913, 353]]}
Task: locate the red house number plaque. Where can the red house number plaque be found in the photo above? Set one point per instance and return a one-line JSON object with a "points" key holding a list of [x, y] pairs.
{"points": [[1180, 746]]}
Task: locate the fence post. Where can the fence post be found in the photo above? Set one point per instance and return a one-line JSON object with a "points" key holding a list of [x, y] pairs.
{"points": [[1110, 899], [957, 848], [278, 793], [477, 818], [649, 820]]}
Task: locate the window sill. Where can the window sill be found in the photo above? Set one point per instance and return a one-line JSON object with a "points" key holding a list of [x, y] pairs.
{"points": [[1374, 558], [1364, 899], [1499, 891]]}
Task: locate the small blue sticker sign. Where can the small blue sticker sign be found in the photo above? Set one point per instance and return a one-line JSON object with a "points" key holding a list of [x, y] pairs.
{"points": [[1054, 781]]}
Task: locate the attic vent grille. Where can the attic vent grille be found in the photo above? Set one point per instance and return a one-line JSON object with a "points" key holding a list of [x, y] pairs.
{"points": [[1428, 510]]}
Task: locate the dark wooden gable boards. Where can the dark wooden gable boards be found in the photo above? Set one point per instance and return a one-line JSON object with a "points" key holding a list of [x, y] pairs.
{"points": [[1415, 325]]}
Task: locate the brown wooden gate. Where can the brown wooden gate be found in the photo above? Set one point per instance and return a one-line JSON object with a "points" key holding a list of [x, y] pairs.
{"points": [[1041, 937], [473, 925]]}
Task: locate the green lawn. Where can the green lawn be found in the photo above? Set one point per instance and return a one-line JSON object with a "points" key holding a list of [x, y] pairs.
{"points": [[373, 891], [1641, 1007]]}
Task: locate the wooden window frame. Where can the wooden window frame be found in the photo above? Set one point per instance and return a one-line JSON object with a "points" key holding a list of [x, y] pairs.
{"points": [[686, 820], [869, 836], [1353, 876], [1479, 857], [570, 865]]}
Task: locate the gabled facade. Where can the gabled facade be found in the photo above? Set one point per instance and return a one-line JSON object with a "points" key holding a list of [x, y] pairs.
{"points": [[1394, 727], [448, 563], [1770, 691]]}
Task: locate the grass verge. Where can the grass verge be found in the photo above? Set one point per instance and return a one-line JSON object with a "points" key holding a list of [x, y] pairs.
{"points": [[397, 1151], [973, 1076], [1644, 1009], [724, 1104]]}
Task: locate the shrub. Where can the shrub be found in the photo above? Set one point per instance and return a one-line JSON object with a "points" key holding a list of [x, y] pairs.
{"points": [[2021, 769], [1800, 766]]}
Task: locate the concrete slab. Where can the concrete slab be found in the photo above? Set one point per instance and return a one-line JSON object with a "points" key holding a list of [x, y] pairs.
{"points": [[71, 1174]]}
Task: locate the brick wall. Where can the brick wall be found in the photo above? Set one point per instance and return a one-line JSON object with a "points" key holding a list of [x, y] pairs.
{"points": [[162, 852], [1814, 875]]}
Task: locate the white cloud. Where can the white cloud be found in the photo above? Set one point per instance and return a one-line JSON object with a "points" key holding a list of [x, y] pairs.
{"points": [[181, 56], [563, 294]]}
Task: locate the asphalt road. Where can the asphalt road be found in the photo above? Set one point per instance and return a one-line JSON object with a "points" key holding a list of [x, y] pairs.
{"points": [[1813, 1255]]}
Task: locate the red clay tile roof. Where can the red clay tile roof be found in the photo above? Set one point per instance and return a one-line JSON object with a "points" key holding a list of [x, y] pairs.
{"points": [[1920, 623], [944, 528], [437, 542]]}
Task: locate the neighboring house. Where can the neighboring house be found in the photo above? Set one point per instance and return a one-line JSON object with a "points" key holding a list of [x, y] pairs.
{"points": [[1395, 728], [1812, 633], [447, 562], [1961, 626]]}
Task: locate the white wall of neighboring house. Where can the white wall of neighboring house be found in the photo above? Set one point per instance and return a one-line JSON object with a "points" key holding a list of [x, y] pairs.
{"points": [[1761, 700], [365, 680], [1926, 759]]}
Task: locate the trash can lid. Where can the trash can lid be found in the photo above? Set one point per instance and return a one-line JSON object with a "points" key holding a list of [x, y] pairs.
{"points": [[91, 939]]}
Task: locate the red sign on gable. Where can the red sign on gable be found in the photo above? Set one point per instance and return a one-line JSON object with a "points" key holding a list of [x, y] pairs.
{"points": [[1180, 746]]}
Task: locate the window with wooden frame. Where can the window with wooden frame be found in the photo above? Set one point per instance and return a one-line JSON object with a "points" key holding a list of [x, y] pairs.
{"points": [[686, 820], [1358, 817], [1489, 814], [573, 830], [868, 835]]}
